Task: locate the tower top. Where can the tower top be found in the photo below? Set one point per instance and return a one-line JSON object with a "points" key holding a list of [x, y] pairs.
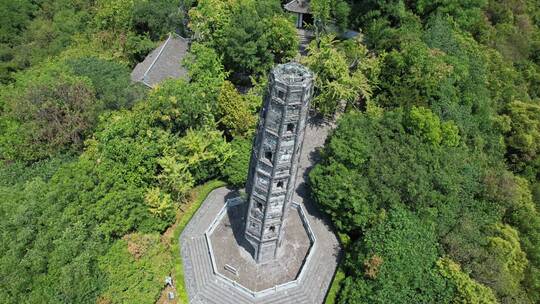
{"points": [[292, 73]]}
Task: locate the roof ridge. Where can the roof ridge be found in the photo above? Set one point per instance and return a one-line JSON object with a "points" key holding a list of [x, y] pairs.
{"points": [[156, 58]]}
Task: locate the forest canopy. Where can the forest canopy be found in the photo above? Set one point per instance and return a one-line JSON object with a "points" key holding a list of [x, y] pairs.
{"points": [[439, 155]]}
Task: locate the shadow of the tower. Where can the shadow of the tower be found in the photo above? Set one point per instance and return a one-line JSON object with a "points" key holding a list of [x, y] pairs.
{"points": [[237, 219]]}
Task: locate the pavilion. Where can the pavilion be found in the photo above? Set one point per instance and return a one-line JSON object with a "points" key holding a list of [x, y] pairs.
{"points": [[303, 12]]}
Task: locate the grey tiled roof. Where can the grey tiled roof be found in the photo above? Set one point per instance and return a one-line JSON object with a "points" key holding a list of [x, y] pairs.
{"points": [[163, 62], [349, 34], [298, 6]]}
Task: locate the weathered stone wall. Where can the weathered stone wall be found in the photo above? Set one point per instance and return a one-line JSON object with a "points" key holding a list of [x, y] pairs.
{"points": [[275, 155]]}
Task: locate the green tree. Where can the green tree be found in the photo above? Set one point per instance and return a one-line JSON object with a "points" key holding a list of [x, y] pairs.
{"points": [[114, 15], [160, 204], [509, 261], [47, 111], [155, 18], [15, 17], [467, 290], [428, 125], [174, 177], [250, 36], [205, 69], [236, 112], [134, 268], [204, 151], [282, 39], [336, 82], [523, 136], [327, 11], [176, 105], [245, 51], [403, 270], [209, 19], [110, 80], [372, 162], [46, 31], [523, 214], [236, 169]]}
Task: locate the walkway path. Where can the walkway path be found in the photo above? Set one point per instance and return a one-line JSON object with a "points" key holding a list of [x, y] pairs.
{"points": [[304, 38]]}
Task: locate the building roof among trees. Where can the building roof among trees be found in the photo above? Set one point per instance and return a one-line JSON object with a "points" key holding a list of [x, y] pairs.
{"points": [[298, 6], [349, 34], [163, 62]]}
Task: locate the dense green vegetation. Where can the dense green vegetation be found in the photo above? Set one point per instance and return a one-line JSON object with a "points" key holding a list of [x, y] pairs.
{"points": [[431, 175], [94, 167]]}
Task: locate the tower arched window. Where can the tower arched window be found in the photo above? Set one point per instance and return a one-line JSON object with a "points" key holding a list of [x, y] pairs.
{"points": [[268, 155], [290, 127]]}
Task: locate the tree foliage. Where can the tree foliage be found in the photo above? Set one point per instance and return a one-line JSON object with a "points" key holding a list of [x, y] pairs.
{"points": [[236, 169], [428, 126], [431, 173], [337, 83], [327, 12], [134, 268], [250, 35], [236, 111], [48, 111], [406, 251], [132, 175], [374, 164], [367, 168], [522, 139], [451, 107], [467, 290], [110, 80]]}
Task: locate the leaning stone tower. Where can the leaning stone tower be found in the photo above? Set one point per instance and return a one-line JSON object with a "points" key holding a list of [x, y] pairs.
{"points": [[274, 160]]}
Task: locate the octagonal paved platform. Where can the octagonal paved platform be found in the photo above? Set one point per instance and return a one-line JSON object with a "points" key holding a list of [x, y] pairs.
{"points": [[232, 255], [204, 285]]}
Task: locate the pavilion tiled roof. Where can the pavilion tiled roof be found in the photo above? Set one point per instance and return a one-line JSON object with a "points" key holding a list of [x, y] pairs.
{"points": [[298, 6], [163, 62]]}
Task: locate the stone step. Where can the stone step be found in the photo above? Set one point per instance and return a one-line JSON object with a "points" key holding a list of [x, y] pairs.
{"points": [[201, 261], [204, 259], [225, 295], [296, 295], [238, 296], [291, 295], [325, 281], [196, 264], [316, 274], [222, 294], [215, 295], [216, 291]]}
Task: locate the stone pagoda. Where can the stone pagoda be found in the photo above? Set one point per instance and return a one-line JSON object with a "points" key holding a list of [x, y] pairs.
{"points": [[274, 160], [265, 248]]}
